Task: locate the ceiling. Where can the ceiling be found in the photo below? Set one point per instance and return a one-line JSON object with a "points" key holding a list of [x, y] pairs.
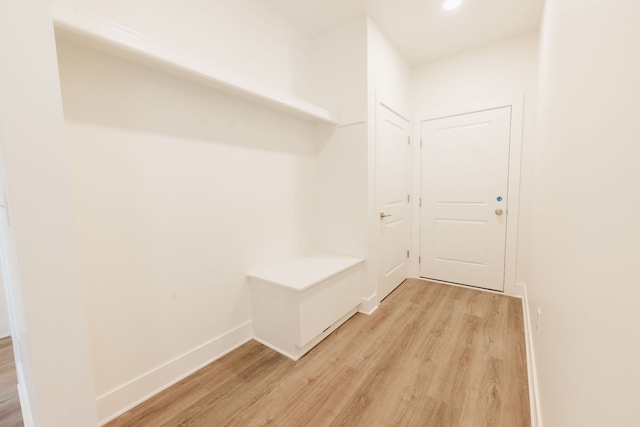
{"points": [[420, 29]]}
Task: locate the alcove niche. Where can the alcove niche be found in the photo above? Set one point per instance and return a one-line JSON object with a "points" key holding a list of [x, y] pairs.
{"points": [[188, 176]]}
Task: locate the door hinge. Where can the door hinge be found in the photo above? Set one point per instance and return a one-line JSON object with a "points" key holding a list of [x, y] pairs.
{"points": [[408, 198], [407, 254], [408, 140], [419, 260], [420, 202], [420, 142]]}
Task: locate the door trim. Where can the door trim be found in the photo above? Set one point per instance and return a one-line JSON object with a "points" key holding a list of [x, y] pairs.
{"points": [[513, 196]]}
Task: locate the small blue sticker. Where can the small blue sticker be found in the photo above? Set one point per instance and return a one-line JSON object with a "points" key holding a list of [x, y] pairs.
{"points": [[499, 198]]}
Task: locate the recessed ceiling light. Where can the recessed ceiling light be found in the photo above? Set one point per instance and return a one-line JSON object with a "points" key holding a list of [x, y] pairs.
{"points": [[451, 4]]}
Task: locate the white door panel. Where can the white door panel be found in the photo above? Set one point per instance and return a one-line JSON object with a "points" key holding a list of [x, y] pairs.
{"points": [[447, 234], [392, 179], [465, 168]]}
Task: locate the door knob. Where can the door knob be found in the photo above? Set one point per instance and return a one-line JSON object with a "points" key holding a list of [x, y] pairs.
{"points": [[499, 211], [384, 215]]}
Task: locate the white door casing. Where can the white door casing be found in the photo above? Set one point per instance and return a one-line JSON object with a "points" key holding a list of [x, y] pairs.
{"points": [[12, 293], [464, 192], [392, 191], [5, 324]]}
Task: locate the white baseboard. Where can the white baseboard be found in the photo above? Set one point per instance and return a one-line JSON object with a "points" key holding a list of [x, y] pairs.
{"points": [[534, 394], [25, 406], [23, 396], [117, 402], [368, 305]]}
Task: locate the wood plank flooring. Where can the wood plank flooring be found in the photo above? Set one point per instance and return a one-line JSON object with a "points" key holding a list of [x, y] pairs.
{"points": [[10, 415], [431, 355]]}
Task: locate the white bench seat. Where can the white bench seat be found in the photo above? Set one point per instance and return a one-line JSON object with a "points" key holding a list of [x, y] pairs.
{"points": [[297, 303]]}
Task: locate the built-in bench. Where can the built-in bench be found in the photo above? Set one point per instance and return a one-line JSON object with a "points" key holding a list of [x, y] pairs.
{"points": [[297, 303]]}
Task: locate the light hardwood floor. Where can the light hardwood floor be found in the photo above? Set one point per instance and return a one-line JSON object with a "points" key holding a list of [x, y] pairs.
{"points": [[10, 415], [431, 355]]}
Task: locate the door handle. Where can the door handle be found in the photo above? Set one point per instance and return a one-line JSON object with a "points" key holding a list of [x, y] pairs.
{"points": [[384, 215], [499, 211]]}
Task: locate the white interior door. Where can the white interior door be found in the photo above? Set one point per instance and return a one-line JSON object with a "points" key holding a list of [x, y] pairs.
{"points": [[392, 176], [465, 171]]}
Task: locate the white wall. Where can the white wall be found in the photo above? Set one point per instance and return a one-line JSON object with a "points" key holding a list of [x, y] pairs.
{"points": [[50, 330], [179, 191], [496, 72], [339, 76], [342, 192], [339, 71], [245, 36], [389, 74], [584, 240]]}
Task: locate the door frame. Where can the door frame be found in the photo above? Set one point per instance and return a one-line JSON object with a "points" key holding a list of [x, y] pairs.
{"points": [[513, 195]]}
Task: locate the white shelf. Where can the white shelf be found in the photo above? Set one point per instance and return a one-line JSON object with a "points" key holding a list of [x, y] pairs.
{"points": [[98, 29]]}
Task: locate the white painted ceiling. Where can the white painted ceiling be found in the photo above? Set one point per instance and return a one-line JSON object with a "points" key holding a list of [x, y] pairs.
{"points": [[420, 29]]}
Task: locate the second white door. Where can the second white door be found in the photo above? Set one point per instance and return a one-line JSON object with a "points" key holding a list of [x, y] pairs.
{"points": [[465, 168], [392, 181]]}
